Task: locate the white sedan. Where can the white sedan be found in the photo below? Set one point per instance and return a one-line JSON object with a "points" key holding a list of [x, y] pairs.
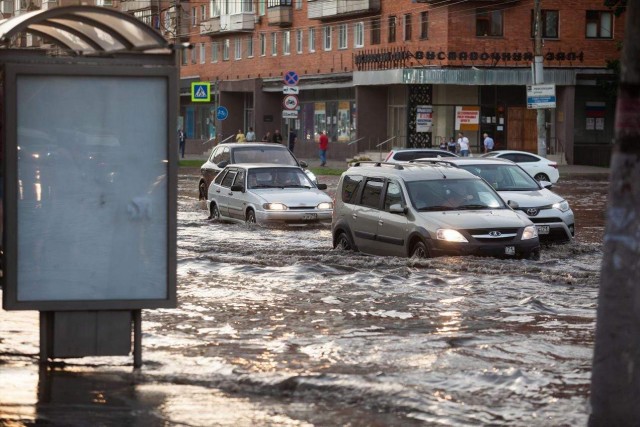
{"points": [[538, 167], [267, 193]]}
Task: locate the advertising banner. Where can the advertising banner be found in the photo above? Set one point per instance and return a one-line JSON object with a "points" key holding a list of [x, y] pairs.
{"points": [[424, 118], [468, 118]]}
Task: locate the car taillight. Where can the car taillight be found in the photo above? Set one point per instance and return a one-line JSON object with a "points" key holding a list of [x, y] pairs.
{"points": [[388, 156], [554, 165]]}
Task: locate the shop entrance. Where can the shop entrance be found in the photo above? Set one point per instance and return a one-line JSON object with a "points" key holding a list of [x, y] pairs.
{"points": [[522, 129]]}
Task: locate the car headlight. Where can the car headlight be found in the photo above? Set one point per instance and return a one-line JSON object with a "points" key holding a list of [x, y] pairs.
{"points": [[563, 206], [450, 235], [325, 205], [311, 176], [530, 232], [275, 206]]}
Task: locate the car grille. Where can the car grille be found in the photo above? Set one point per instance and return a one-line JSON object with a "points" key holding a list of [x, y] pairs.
{"points": [[493, 234], [294, 208], [544, 220]]}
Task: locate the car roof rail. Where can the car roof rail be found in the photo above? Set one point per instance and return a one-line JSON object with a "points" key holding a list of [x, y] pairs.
{"points": [[378, 164], [432, 162]]}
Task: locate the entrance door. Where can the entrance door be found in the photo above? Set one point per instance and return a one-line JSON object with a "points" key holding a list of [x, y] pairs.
{"points": [[397, 126], [522, 129]]}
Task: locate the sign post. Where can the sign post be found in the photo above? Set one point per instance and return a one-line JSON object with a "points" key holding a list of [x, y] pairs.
{"points": [[290, 101]]}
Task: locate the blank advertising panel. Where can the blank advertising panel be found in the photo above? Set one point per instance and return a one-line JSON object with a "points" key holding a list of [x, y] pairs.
{"points": [[92, 168]]}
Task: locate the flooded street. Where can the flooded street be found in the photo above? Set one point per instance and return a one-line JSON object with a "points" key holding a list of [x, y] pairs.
{"points": [[276, 328]]}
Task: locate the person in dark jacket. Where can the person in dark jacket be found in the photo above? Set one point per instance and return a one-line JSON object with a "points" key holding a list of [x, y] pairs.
{"points": [[277, 137]]}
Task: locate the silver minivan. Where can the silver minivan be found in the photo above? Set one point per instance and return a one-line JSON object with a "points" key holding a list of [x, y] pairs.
{"points": [[425, 210]]}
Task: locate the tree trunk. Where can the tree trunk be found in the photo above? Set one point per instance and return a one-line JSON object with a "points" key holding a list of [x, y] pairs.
{"points": [[615, 382]]}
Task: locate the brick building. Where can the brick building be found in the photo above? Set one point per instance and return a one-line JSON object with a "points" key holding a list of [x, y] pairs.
{"points": [[382, 73]]}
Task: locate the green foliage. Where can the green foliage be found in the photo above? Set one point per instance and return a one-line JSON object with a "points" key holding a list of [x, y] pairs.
{"points": [[618, 6]]}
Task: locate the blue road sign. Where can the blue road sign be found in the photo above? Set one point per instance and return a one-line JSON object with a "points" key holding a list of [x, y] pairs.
{"points": [[200, 92], [291, 78], [222, 113]]}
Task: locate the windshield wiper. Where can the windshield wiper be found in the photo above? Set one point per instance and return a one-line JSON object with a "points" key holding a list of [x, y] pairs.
{"points": [[436, 208], [470, 207]]}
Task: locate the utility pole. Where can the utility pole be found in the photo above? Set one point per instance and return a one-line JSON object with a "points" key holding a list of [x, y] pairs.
{"points": [[615, 380], [538, 78]]}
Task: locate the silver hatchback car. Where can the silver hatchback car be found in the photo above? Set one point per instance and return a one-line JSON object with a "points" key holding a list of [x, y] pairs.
{"points": [[424, 211]]}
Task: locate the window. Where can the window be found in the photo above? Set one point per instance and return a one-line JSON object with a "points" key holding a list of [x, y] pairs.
{"points": [[194, 56], [274, 44], [250, 47], [371, 193], [225, 50], [202, 53], [203, 12], [298, 4], [214, 8], [299, 41], [286, 42], [238, 48], [392, 29], [312, 39], [215, 47], [262, 10], [375, 31], [350, 186], [247, 6], [194, 17], [185, 58], [342, 36], [489, 23], [326, 37], [263, 44], [393, 195], [229, 177], [424, 25], [407, 27], [278, 3], [358, 34], [599, 24], [549, 24]]}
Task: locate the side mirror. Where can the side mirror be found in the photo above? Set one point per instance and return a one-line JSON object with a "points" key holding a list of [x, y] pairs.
{"points": [[237, 187], [223, 164], [398, 209], [303, 164], [545, 184], [321, 186], [513, 205]]}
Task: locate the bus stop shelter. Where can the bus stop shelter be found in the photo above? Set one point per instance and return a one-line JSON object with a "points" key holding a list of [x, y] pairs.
{"points": [[88, 114]]}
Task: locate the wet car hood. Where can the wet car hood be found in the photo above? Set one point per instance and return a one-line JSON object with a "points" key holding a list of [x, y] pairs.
{"points": [[531, 199], [292, 196], [495, 218]]}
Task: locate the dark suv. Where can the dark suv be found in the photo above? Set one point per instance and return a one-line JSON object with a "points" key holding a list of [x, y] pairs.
{"points": [[426, 210], [226, 154]]}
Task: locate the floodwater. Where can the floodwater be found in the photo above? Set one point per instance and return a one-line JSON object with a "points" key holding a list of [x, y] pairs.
{"points": [[275, 328]]}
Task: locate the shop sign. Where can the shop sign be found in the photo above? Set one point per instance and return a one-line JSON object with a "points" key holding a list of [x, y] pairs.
{"points": [[468, 118], [424, 118]]}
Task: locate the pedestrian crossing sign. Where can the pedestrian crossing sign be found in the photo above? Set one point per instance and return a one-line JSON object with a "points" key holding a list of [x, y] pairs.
{"points": [[200, 92]]}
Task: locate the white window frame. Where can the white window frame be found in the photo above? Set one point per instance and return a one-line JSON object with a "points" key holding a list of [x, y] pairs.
{"points": [[238, 48], [215, 51], [214, 8], [262, 7], [326, 37], [358, 34], [203, 12], [312, 40], [194, 56], [298, 4], [263, 44], [343, 36], [274, 44], [286, 42], [225, 50], [250, 46], [194, 16], [203, 53], [299, 40]]}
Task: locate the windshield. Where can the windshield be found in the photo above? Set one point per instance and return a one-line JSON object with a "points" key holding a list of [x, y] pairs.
{"points": [[276, 154], [452, 194], [278, 178], [504, 177]]}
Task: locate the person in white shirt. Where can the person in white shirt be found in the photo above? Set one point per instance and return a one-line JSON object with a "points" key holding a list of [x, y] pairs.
{"points": [[488, 143], [463, 143]]}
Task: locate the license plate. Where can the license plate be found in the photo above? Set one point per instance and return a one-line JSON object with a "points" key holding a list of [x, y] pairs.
{"points": [[510, 250], [543, 229], [307, 217]]}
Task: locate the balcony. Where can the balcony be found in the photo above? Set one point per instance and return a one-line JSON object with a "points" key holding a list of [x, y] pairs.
{"points": [[281, 16], [237, 22], [131, 5], [210, 26], [329, 9], [6, 7]]}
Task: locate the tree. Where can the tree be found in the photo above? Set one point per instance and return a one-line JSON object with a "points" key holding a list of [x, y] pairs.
{"points": [[618, 6], [615, 381]]}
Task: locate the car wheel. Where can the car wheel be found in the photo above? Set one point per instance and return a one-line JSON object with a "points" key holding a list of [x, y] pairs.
{"points": [[250, 218], [215, 213], [202, 190], [343, 242], [419, 250], [541, 177]]}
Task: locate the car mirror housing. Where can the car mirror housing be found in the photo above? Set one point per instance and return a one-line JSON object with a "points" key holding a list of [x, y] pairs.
{"points": [[223, 164], [321, 186], [513, 205], [398, 209], [237, 187], [546, 184], [303, 164]]}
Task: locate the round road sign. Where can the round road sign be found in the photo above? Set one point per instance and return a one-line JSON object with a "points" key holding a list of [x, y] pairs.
{"points": [[290, 102], [291, 78], [222, 113]]}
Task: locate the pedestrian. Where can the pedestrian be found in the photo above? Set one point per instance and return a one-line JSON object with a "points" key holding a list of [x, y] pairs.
{"points": [[463, 143], [277, 137], [182, 138], [323, 144], [488, 143], [240, 136], [451, 145], [293, 138], [267, 137], [251, 135], [443, 143]]}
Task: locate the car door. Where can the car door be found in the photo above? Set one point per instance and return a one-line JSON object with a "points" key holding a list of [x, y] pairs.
{"points": [[365, 215], [392, 227], [223, 191], [237, 200]]}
